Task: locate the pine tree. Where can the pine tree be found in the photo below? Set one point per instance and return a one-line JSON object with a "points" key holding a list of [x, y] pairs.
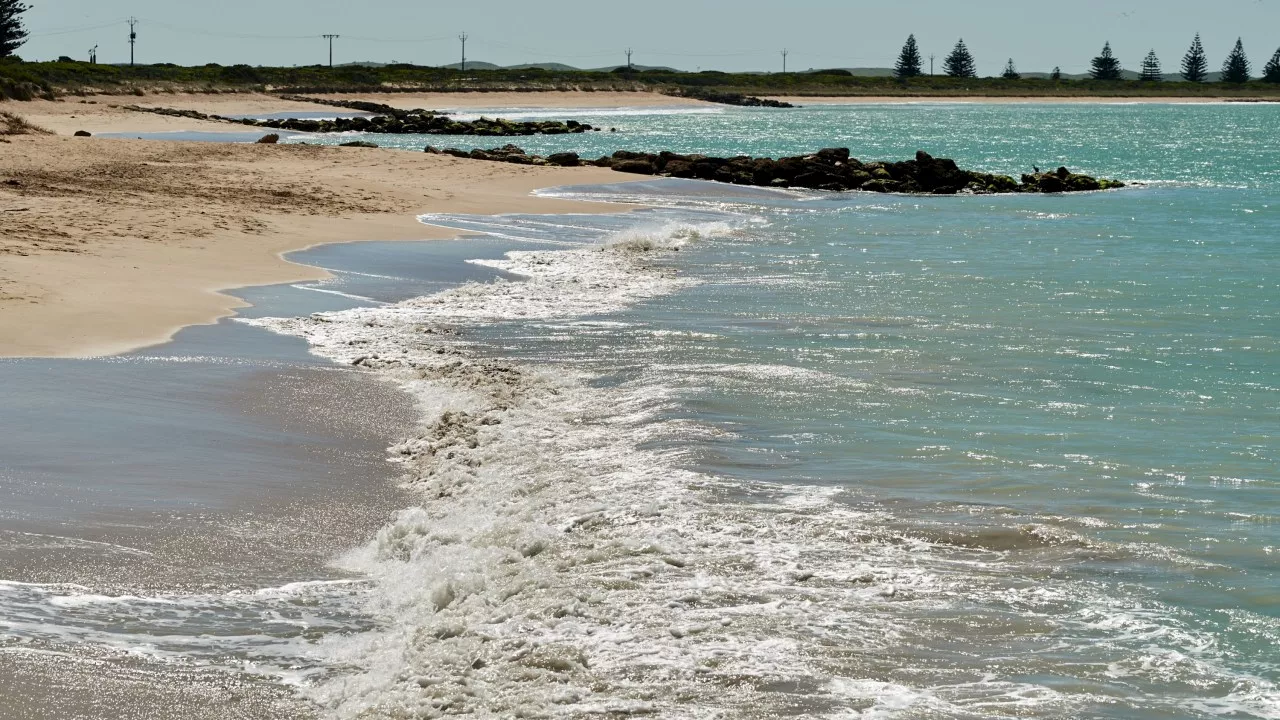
{"points": [[1056, 76], [1271, 73], [960, 62], [1236, 68], [12, 33], [1151, 71], [1011, 71], [1106, 66], [909, 62], [1195, 66]]}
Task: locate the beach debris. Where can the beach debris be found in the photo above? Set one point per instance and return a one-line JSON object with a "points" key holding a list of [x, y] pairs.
{"points": [[83, 133], [830, 169], [269, 139]]}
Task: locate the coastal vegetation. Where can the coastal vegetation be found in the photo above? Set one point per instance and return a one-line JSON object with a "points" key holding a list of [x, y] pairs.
{"points": [[12, 32], [1236, 68], [1195, 66], [21, 80], [28, 80], [1105, 67]]}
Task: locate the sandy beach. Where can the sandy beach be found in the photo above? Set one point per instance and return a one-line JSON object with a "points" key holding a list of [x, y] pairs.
{"points": [[114, 244]]}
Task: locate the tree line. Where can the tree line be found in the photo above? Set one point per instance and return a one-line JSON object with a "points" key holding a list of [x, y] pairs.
{"points": [[1106, 66], [958, 63]]}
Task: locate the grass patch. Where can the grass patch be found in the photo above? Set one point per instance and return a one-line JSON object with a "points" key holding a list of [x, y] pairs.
{"points": [[11, 124]]}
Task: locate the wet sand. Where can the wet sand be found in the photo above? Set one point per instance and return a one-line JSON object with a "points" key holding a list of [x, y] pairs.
{"points": [[228, 460]]}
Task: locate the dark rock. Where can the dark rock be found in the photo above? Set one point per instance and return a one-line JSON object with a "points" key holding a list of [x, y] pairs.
{"points": [[270, 139], [724, 98], [678, 168], [83, 133], [565, 159], [359, 144], [639, 167], [833, 155]]}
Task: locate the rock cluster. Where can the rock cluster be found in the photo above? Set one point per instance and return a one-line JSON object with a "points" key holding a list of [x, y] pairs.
{"points": [[829, 169], [726, 98], [511, 154], [425, 124], [401, 122]]}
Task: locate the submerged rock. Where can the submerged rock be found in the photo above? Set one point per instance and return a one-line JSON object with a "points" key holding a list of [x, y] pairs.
{"points": [[831, 169]]}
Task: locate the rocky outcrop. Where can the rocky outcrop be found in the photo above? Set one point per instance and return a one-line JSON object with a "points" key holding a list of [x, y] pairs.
{"points": [[726, 98], [269, 139], [404, 122], [358, 105], [830, 169]]}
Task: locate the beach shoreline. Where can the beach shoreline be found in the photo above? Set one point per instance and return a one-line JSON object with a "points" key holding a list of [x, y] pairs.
{"points": [[113, 245]]}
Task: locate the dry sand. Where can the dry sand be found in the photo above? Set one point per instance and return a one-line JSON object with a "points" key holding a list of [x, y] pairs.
{"points": [[109, 245]]}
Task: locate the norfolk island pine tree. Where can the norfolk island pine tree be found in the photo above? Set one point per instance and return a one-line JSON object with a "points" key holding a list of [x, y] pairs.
{"points": [[1236, 68], [909, 61], [1195, 66], [12, 33], [1105, 66]]}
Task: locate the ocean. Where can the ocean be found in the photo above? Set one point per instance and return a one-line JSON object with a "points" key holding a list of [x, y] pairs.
{"points": [[759, 453]]}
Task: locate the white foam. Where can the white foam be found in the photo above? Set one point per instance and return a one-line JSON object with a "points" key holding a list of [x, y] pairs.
{"points": [[558, 564]]}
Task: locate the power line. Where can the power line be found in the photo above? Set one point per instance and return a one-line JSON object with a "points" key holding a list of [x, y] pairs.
{"points": [[330, 39], [72, 30]]}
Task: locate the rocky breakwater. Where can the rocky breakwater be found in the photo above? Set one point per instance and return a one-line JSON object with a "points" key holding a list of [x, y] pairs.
{"points": [[830, 169], [399, 122]]}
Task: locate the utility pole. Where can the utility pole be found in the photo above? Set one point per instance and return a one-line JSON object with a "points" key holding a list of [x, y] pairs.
{"points": [[330, 39], [133, 38], [785, 53], [629, 65], [463, 37], [930, 64], [93, 55]]}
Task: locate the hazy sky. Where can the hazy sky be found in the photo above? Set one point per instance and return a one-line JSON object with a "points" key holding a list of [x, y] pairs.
{"points": [[688, 34]]}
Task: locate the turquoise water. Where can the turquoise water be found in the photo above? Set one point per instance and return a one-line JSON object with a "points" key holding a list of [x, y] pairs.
{"points": [[754, 453], [1055, 416]]}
